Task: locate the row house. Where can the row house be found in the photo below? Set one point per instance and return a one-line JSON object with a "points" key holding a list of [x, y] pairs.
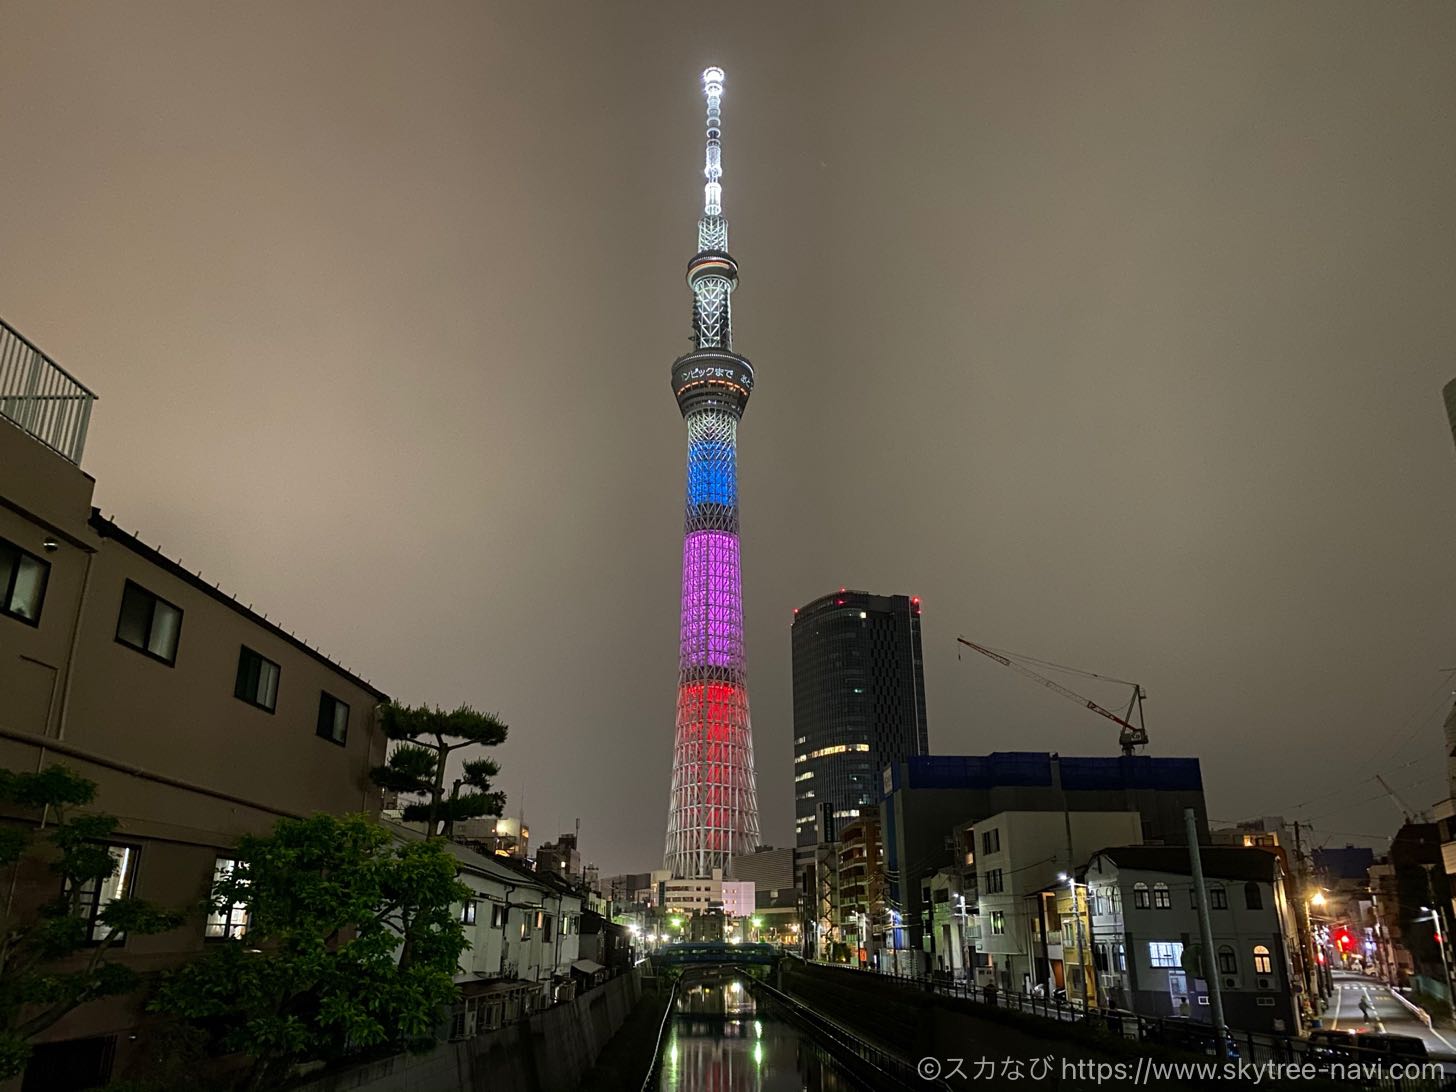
{"points": [[199, 719]]}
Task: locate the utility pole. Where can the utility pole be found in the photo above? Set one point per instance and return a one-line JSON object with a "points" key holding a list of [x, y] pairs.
{"points": [[1438, 920], [1306, 934], [1205, 930]]}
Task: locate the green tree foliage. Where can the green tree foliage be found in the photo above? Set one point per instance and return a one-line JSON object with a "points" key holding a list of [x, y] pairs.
{"points": [[425, 739], [351, 943], [48, 963]]}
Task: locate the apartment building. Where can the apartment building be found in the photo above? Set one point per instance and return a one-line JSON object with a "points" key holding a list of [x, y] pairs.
{"points": [[1145, 932], [199, 719]]}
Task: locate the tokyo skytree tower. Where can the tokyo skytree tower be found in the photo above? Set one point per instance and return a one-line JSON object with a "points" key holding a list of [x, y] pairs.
{"points": [[713, 813]]}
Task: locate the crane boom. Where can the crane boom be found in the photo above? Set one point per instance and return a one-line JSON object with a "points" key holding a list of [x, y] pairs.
{"points": [[1132, 735]]}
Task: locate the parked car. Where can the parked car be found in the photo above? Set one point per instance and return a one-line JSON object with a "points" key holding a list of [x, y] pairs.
{"points": [[1380, 1047], [1186, 1034], [1332, 1045]]}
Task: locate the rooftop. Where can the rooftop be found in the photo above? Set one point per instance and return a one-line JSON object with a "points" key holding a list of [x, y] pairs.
{"points": [[1220, 862], [107, 528], [42, 398]]}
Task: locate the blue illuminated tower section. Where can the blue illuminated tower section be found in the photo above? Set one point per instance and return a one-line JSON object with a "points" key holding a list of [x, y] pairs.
{"points": [[713, 812]]}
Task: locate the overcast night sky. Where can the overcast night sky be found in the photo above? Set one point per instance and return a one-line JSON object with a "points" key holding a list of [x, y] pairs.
{"points": [[1116, 332]]}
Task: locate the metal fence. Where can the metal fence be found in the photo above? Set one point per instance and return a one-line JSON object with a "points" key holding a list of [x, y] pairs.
{"points": [[41, 397], [1255, 1047]]}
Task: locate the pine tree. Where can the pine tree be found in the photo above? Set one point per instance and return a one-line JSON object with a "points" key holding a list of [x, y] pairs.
{"points": [[417, 766]]}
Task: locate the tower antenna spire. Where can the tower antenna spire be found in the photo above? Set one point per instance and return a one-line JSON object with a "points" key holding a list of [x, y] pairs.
{"points": [[713, 168]]}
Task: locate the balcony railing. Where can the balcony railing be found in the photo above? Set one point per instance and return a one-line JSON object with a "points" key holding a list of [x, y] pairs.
{"points": [[41, 397]]}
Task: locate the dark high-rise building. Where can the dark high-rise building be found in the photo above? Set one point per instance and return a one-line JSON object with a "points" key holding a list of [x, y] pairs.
{"points": [[859, 704]]}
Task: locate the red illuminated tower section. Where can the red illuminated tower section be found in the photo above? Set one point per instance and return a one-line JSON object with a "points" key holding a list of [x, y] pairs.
{"points": [[713, 812]]}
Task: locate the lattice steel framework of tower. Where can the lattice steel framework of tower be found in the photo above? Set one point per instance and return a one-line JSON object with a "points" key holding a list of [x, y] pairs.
{"points": [[713, 813]]}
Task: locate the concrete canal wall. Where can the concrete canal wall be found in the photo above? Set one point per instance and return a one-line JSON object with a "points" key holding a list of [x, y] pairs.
{"points": [[549, 1051]]}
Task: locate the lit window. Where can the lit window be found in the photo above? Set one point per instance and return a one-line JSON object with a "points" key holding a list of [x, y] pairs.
{"points": [[805, 776], [467, 912], [257, 680], [333, 719], [1161, 899], [1140, 896], [23, 579], [149, 624], [1217, 898], [225, 921], [1262, 963], [998, 923], [94, 896], [1165, 953]]}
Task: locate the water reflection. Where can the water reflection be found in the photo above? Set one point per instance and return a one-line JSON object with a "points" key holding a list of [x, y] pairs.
{"points": [[722, 1040]]}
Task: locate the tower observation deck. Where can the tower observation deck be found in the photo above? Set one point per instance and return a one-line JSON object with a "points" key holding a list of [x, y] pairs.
{"points": [[713, 809]]}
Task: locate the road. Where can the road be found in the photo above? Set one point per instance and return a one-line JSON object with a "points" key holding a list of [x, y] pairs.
{"points": [[1344, 1013]]}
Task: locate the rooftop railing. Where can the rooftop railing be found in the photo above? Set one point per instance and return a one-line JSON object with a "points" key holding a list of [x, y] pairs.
{"points": [[41, 397]]}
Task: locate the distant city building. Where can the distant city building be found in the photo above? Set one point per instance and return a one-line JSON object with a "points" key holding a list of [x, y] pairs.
{"points": [[560, 857], [929, 796], [505, 836], [859, 702], [199, 719], [767, 867]]}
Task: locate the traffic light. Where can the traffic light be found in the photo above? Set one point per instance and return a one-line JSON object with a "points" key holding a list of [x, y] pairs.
{"points": [[1343, 940]]}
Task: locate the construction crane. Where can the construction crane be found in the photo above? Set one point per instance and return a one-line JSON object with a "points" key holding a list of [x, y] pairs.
{"points": [[1132, 735], [1408, 813]]}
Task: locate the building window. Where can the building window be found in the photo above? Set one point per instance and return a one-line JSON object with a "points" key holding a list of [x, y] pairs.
{"points": [[1119, 956], [333, 719], [225, 921], [998, 923], [467, 912], [546, 927], [23, 578], [257, 680], [1228, 963], [94, 896], [1140, 896], [1253, 897], [1165, 953], [1161, 899], [1217, 898], [991, 841], [497, 916], [993, 884], [148, 623], [1262, 962]]}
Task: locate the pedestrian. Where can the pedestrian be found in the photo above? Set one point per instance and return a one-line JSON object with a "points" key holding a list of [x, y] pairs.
{"points": [[1365, 1007]]}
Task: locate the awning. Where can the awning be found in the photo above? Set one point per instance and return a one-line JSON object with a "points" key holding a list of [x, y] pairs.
{"points": [[587, 966]]}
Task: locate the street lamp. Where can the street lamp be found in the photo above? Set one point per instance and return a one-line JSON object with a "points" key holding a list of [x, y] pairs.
{"points": [[1072, 885]]}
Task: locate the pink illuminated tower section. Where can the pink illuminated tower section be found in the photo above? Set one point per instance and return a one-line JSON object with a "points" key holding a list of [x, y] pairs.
{"points": [[713, 813]]}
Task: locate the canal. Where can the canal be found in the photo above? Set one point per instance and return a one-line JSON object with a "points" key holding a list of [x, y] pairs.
{"points": [[724, 1039]]}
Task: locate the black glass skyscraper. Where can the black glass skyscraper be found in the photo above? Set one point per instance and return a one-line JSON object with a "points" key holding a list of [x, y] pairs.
{"points": [[859, 703]]}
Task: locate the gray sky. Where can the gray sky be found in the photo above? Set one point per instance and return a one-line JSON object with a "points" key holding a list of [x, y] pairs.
{"points": [[1114, 331]]}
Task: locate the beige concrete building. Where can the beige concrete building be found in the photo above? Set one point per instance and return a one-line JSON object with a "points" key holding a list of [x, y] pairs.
{"points": [[199, 719]]}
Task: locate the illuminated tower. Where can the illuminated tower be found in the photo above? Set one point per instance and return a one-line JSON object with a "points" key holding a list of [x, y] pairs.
{"points": [[713, 812]]}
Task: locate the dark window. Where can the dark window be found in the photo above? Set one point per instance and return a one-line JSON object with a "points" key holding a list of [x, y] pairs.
{"points": [[333, 719], [1217, 898], [467, 912], [991, 841], [1140, 896], [23, 579], [148, 623], [1253, 897], [225, 920], [497, 916], [257, 680], [94, 896], [1161, 899], [993, 881], [69, 1065], [1228, 963], [546, 927]]}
